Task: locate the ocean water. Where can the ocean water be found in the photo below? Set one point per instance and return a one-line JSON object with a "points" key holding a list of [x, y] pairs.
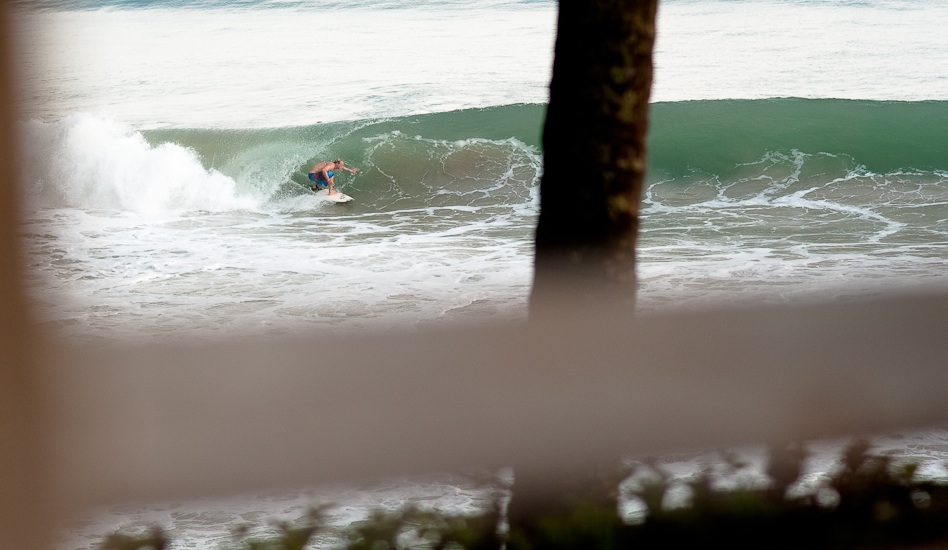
{"points": [[798, 150]]}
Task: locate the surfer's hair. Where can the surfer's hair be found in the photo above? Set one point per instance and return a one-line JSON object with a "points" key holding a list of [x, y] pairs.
{"points": [[338, 161]]}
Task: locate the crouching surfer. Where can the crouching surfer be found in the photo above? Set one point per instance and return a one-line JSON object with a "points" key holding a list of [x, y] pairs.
{"points": [[322, 174]]}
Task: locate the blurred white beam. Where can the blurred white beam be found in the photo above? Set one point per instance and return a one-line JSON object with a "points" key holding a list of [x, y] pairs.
{"points": [[159, 422]]}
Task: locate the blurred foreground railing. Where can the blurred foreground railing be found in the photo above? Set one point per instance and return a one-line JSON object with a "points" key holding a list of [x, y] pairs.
{"points": [[81, 426]]}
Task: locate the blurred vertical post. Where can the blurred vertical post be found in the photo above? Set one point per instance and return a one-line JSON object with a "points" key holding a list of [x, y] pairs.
{"points": [[22, 485], [594, 155]]}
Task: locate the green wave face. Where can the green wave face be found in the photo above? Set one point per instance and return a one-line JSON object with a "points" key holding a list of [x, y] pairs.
{"points": [[478, 157], [719, 137]]}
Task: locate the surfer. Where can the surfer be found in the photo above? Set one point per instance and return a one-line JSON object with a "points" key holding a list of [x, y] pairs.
{"points": [[323, 174]]}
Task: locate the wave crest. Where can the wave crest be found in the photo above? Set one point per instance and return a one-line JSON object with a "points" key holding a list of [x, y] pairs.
{"points": [[87, 162]]}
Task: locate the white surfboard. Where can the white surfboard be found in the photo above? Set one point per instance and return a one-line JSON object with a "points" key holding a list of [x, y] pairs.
{"points": [[323, 194]]}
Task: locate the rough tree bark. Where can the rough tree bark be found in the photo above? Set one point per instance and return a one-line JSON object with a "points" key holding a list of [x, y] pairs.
{"points": [[594, 154]]}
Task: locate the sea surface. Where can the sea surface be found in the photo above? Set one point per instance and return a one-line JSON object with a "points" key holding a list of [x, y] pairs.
{"points": [[798, 150]]}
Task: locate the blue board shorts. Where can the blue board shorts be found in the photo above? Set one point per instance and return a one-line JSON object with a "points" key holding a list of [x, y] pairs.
{"points": [[318, 180]]}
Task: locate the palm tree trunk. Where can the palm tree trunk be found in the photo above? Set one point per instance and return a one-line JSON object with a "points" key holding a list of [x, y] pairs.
{"points": [[594, 155], [593, 173]]}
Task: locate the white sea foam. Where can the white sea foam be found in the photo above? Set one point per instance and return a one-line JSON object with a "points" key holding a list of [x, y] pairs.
{"points": [[275, 67], [270, 68], [87, 162]]}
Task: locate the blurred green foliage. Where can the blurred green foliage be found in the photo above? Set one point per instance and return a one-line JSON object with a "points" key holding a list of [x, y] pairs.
{"points": [[873, 503]]}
